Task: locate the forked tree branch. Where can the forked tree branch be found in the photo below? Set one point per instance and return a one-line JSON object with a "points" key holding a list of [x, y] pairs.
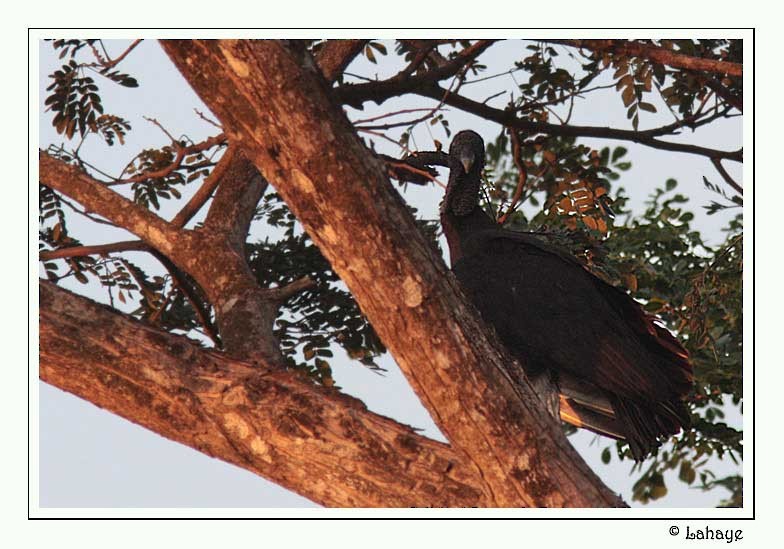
{"points": [[97, 198], [245, 312]]}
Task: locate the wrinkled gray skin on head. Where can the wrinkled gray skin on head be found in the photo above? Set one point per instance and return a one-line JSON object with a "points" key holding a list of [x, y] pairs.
{"points": [[466, 162]]}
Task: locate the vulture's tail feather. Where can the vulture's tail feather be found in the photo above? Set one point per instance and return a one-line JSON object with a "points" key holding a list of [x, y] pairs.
{"points": [[644, 425]]}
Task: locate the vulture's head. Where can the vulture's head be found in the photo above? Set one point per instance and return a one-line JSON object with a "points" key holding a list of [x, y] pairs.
{"points": [[466, 162]]}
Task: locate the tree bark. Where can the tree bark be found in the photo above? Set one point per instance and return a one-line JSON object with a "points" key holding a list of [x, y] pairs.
{"points": [[657, 54], [315, 441], [336, 55], [275, 104]]}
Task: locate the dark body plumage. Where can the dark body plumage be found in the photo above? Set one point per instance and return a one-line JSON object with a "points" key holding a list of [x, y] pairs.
{"points": [[619, 373]]}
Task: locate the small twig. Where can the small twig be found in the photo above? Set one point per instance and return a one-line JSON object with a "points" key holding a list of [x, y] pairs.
{"points": [[102, 249], [182, 152], [164, 130], [85, 213], [409, 168], [208, 119], [383, 136], [732, 183], [108, 63], [431, 112], [522, 176], [293, 288], [190, 291], [493, 97], [389, 114], [359, 76], [724, 93], [159, 311], [482, 79]]}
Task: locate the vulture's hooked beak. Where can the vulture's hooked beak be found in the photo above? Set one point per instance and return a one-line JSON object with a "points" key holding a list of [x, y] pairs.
{"points": [[467, 160]]}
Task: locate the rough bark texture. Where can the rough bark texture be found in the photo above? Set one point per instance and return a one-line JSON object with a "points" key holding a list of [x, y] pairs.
{"points": [[323, 445], [275, 105], [213, 257], [336, 55]]}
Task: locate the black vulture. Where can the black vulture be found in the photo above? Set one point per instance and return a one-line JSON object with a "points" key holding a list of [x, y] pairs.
{"points": [[618, 372]]}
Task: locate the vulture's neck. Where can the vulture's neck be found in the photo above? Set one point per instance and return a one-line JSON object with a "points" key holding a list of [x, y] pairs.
{"points": [[462, 232]]}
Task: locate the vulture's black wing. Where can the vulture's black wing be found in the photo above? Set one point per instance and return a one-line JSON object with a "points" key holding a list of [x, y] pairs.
{"points": [[553, 314]]}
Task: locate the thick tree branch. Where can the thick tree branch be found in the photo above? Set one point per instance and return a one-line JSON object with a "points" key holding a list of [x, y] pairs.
{"points": [[204, 193], [657, 54], [427, 46], [98, 198], [315, 441], [232, 209], [335, 55], [245, 312], [264, 94]]}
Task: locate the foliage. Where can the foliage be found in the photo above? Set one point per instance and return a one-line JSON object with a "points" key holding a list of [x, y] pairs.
{"points": [[695, 288]]}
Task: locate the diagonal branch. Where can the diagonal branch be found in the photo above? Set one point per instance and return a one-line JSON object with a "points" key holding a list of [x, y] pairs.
{"points": [[315, 441], [98, 249], [522, 177], [100, 199], [231, 212], [726, 176], [204, 193], [725, 94], [657, 54]]}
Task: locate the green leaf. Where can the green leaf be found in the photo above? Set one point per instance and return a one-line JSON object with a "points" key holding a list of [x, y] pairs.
{"points": [[647, 107], [628, 96], [671, 184], [619, 152], [687, 473]]}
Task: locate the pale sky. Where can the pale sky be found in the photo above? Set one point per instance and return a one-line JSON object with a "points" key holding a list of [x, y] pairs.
{"points": [[91, 458]]}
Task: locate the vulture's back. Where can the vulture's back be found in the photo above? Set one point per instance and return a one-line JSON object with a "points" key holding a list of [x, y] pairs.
{"points": [[553, 314]]}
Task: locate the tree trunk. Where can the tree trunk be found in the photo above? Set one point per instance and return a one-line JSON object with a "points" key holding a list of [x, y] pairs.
{"points": [[275, 105]]}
